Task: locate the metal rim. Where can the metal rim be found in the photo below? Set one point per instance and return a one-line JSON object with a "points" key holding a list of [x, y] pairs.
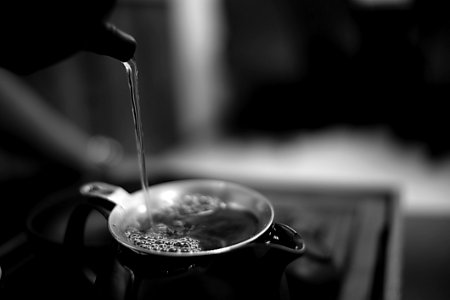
{"points": [[116, 231]]}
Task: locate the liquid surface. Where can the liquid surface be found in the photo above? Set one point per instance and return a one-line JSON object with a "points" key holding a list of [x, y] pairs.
{"points": [[198, 223], [161, 240]]}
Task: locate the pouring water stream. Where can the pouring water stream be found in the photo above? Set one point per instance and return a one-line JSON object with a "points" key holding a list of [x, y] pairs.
{"points": [[132, 72]]}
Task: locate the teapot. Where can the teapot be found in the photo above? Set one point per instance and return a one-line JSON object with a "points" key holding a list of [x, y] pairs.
{"points": [[250, 264], [37, 34]]}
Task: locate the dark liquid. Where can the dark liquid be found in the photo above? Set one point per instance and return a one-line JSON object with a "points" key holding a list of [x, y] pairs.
{"points": [[196, 232]]}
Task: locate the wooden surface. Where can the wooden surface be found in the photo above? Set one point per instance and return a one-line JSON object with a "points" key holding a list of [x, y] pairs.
{"points": [[361, 228]]}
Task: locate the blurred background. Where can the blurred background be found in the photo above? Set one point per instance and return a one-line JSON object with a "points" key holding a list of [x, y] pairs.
{"points": [[341, 92]]}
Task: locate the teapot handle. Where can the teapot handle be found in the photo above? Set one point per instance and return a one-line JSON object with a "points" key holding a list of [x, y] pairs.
{"points": [[75, 233], [98, 196]]}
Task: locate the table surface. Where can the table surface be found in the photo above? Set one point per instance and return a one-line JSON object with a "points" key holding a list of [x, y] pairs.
{"points": [[357, 229], [360, 227]]}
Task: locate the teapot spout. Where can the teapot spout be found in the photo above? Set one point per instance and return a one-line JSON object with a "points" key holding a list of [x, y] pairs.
{"points": [[280, 246], [285, 238], [257, 270], [108, 40]]}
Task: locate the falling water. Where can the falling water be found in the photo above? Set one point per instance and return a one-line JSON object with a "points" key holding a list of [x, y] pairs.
{"points": [[132, 72]]}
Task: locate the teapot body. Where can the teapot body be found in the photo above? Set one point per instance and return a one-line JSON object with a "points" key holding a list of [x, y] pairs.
{"points": [[245, 273], [37, 34], [251, 268]]}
